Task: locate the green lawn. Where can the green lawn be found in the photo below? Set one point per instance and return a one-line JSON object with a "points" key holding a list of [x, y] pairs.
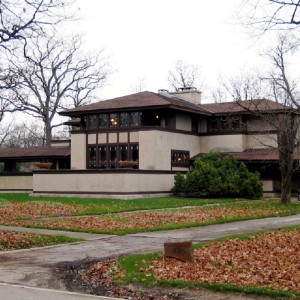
{"points": [[102, 206], [131, 216]]}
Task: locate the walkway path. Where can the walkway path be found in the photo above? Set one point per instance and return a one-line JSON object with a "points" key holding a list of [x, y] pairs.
{"points": [[36, 267]]}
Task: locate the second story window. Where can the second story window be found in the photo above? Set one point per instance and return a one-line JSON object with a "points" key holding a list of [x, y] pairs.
{"points": [[124, 120], [226, 123], [134, 118], [102, 120], [113, 120], [92, 119]]}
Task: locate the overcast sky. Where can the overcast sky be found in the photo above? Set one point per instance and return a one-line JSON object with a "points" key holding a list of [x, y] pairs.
{"points": [[145, 39]]}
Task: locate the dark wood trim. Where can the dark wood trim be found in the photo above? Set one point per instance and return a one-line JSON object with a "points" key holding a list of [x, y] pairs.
{"points": [[16, 174], [236, 132], [261, 132], [107, 171], [137, 129], [16, 190]]}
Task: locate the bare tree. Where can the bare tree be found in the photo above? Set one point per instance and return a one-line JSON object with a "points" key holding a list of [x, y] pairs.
{"points": [[53, 75], [279, 87], [25, 135], [247, 86], [22, 19], [184, 76], [140, 85], [272, 14]]}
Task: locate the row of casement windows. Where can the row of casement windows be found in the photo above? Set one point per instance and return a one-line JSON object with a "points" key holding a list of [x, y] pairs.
{"points": [[114, 120], [109, 156], [134, 119], [234, 122]]}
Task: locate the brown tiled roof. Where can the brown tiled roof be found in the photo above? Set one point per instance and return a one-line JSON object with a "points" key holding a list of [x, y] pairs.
{"points": [[135, 101], [268, 154], [243, 106], [34, 152]]}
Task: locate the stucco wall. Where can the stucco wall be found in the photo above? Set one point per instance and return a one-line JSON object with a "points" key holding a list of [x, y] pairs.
{"points": [[257, 141], [17, 183], [78, 151], [155, 148], [222, 143], [257, 124], [183, 122], [89, 182]]}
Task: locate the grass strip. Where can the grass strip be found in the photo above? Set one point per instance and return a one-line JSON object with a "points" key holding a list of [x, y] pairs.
{"points": [[101, 206]]}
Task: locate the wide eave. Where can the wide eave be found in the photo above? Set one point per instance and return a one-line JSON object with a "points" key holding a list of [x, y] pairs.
{"points": [[138, 101], [34, 153]]}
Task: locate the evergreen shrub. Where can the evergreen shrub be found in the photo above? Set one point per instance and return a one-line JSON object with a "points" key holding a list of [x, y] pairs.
{"points": [[217, 176]]}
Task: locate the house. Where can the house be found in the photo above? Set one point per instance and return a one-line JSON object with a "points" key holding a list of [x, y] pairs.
{"points": [[134, 145]]}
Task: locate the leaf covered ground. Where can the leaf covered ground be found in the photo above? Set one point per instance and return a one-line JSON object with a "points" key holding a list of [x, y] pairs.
{"points": [[12, 240], [267, 260], [61, 216]]}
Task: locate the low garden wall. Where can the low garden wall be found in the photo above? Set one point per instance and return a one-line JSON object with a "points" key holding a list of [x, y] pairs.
{"points": [[97, 182], [16, 182], [102, 182]]}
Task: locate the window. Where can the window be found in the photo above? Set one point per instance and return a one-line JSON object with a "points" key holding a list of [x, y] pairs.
{"points": [[213, 125], [224, 123], [134, 119], [134, 149], [92, 161], [124, 121], [117, 120], [236, 122], [229, 123], [108, 157], [134, 154], [102, 157], [113, 120], [113, 157], [92, 121], [123, 152], [102, 120], [180, 158]]}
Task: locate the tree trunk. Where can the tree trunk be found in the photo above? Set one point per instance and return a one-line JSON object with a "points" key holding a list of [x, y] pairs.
{"points": [[286, 185], [286, 139], [48, 132]]}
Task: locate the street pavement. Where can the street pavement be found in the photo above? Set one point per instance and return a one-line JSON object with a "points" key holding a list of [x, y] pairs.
{"points": [[18, 292], [36, 268]]}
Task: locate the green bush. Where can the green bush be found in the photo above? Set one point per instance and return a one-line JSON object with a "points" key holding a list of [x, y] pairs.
{"points": [[214, 176]]}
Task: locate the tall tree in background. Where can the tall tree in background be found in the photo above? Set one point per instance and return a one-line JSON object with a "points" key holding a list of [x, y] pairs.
{"points": [[54, 74], [272, 14], [140, 86], [184, 76], [22, 19]]}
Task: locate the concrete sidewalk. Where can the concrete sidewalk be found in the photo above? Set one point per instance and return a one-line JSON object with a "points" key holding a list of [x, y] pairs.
{"points": [[37, 267]]}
